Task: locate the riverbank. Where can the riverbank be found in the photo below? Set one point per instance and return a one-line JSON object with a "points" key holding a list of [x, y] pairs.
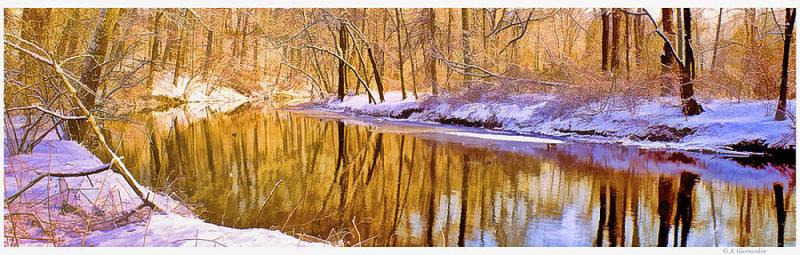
{"points": [[727, 126], [100, 209]]}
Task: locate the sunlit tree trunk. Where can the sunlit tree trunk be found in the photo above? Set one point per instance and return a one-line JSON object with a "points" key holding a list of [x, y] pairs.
{"points": [[627, 46], [92, 68], [616, 30], [606, 20], [679, 35], [667, 59], [716, 41], [638, 28], [430, 63], [450, 17], [340, 91], [376, 73], [181, 51], [209, 51], [465, 35], [155, 47], [412, 52], [69, 41], [243, 41], [780, 114], [400, 52]]}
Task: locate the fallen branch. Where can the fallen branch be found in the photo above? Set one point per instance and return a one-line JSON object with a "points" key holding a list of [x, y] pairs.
{"points": [[33, 182]]}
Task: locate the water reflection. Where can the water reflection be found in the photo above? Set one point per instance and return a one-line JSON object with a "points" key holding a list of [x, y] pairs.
{"points": [[366, 185]]}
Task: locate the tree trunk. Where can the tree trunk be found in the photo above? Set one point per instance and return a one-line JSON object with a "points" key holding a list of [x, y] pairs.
{"points": [[606, 19], [638, 28], [69, 42], [465, 34], [716, 41], [627, 46], [667, 60], [412, 52], [92, 70], [430, 63], [780, 114], [376, 73], [400, 52], [181, 51], [689, 104], [450, 17], [243, 48], [616, 25], [154, 51], [340, 70], [679, 35], [209, 51]]}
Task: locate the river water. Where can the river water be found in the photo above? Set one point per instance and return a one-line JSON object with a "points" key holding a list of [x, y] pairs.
{"points": [[371, 182]]}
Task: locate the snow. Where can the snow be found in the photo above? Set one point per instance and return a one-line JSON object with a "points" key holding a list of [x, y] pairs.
{"points": [[510, 138], [96, 203], [724, 123], [393, 105], [195, 91], [174, 230]]}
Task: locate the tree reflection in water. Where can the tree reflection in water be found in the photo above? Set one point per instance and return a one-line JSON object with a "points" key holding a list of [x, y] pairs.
{"points": [[390, 185]]}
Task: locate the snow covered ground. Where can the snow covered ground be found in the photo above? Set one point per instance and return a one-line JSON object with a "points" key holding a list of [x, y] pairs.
{"points": [[656, 123], [195, 91], [101, 209]]}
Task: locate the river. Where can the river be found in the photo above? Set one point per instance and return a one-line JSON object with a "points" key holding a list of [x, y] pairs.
{"points": [[372, 182]]}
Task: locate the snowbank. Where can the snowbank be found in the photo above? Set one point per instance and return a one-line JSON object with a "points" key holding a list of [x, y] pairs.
{"points": [[195, 91], [656, 123], [101, 209]]}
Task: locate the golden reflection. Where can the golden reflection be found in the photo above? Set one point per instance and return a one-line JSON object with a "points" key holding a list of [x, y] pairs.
{"points": [[352, 183]]}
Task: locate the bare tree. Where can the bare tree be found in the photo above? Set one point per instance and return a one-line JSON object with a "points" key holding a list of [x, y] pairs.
{"points": [[689, 105], [716, 41], [400, 52], [667, 59], [92, 68], [467, 51], [341, 72], [154, 50], [616, 30], [780, 113], [606, 20], [430, 49]]}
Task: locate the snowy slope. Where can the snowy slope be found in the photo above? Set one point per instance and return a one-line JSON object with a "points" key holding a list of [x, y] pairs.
{"points": [[724, 123]]}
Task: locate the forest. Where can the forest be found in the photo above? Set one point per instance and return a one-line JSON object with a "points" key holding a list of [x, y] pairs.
{"points": [[258, 102]]}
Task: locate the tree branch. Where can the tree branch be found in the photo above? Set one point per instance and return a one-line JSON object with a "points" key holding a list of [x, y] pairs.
{"points": [[33, 182], [45, 110]]}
